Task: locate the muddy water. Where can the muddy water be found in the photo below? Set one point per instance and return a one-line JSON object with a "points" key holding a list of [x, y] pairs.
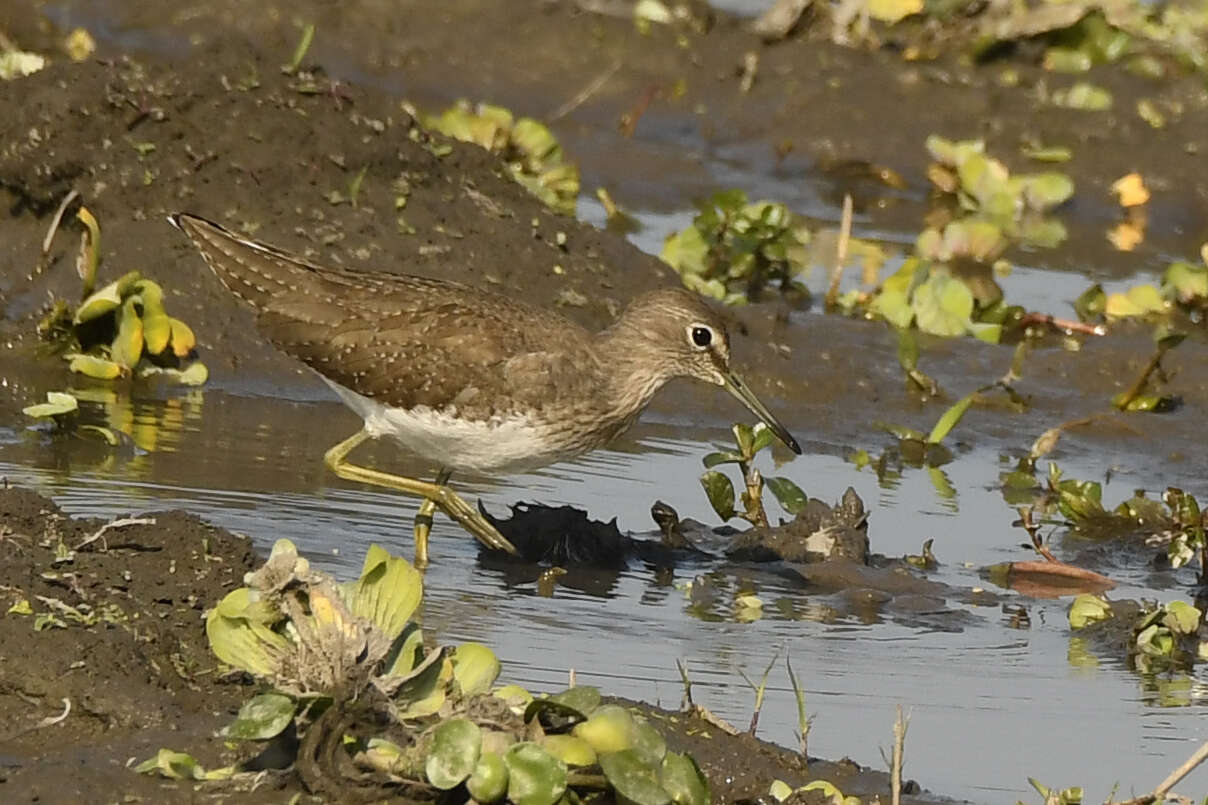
{"points": [[991, 704]]}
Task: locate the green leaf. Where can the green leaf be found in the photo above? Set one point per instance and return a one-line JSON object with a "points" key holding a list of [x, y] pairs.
{"points": [[648, 745], [475, 667], [1091, 303], [950, 418], [610, 728], [1182, 618], [1188, 282], [535, 777], [942, 306], [725, 457], [1084, 96], [1088, 609], [683, 781], [57, 403], [790, 496], [241, 634], [894, 307], [1043, 191], [456, 745], [570, 749], [388, 591], [763, 437], [982, 331], [901, 431], [1051, 153], [633, 780], [127, 346], [720, 491], [262, 717], [90, 253], [173, 765], [489, 782], [744, 437]]}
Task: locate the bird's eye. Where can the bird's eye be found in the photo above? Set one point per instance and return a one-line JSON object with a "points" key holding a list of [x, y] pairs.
{"points": [[701, 336]]}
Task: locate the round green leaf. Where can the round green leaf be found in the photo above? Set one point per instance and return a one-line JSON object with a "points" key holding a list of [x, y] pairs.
{"points": [[1088, 609], [611, 728], [94, 367], [456, 745], [489, 782], [535, 777], [649, 745], [633, 779], [942, 306], [683, 781], [1182, 617], [570, 706], [475, 667], [570, 749], [57, 403], [262, 717]]}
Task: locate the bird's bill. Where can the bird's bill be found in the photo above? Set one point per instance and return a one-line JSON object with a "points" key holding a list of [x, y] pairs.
{"points": [[733, 384]]}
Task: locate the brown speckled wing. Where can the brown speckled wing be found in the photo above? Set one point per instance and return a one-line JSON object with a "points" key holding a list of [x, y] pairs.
{"points": [[402, 340]]}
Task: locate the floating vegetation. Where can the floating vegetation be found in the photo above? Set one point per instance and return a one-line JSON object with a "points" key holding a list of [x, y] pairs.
{"points": [[720, 490], [530, 150], [736, 247], [122, 329], [348, 669], [1159, 637]]}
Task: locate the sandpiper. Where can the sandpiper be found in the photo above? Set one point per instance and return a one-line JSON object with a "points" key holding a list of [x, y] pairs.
{"points": [[471, 380]]}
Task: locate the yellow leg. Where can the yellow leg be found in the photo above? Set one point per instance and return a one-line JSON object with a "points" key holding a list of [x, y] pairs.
{"points": [[436, 495]]}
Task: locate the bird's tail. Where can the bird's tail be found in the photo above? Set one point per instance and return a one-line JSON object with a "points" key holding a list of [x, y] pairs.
{"points": [[254, 272]]}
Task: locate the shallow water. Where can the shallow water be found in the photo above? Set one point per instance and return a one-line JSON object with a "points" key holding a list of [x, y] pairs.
{"points": [[990, 704]]}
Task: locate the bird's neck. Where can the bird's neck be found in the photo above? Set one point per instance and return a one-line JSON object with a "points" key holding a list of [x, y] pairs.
{"points": [[634, 368]]}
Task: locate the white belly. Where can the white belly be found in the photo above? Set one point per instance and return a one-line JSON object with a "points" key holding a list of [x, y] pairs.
{"points": [[504, 443]]}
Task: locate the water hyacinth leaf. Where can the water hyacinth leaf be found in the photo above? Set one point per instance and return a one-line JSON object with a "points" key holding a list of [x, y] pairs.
{"points": [[127, 346], [891, 11], [262, 717], [90, 250], [942, 306], [1181, 617], [183, 339], [720, 491], [724, 457], [535, 777], [383, 755], [456, 745], [57, 403], [425, 692], [570, 749], [241, 636], [94, 367], [1155, 641], [1188, 282], [518, 698], [388, 591], [1138, 301], [489, 782], [157, 327], [1091, 303], [685, 251], [99, 303], [633, 780], [475, 668], [583, 698], [173, 765], [894, 307], [985, 331], [779, 790], [949, 420], [683, 781], [1043, 191], [788, 494], [1087, 609], [610, 728], [649, 745]]}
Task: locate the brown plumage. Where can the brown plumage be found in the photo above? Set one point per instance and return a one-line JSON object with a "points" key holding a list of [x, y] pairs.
{"points": [[442, 367]]}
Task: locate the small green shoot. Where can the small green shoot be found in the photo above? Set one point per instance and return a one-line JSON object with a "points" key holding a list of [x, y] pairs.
{"points": [[720, 491], [300, 50]]}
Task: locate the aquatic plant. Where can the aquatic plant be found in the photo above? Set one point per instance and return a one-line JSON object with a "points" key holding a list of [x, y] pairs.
{"points": [[720, 490], [338, 657], [122, 329], [528, 148], [735, 247]]}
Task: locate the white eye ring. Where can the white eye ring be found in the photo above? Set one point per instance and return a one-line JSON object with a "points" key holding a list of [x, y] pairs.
{"points": [[701, 336]]}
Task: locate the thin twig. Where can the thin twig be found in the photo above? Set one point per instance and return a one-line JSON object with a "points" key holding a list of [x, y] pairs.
{"points": [[899, 749], [832, 292], [122, 523], [688, 704], [582, 96], [54, 222], [1056, 323]]}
